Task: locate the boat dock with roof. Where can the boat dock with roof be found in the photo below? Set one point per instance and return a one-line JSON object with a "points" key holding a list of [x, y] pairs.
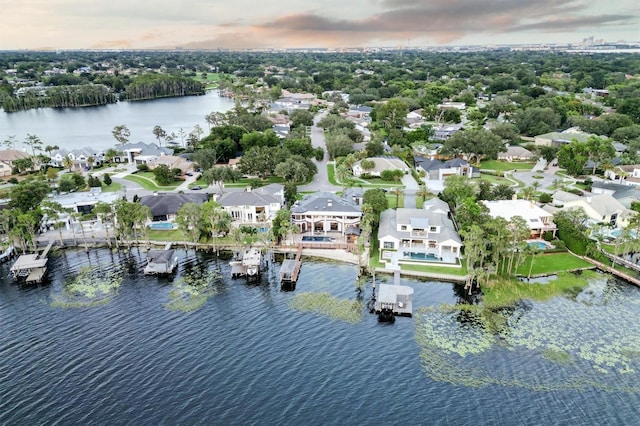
{"points": [[31, 267], [290, 270], [393, 300], [161, 261], [249, 266]]}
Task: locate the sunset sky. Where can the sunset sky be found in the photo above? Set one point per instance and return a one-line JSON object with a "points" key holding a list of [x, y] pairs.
{"points": [[139, 24]]}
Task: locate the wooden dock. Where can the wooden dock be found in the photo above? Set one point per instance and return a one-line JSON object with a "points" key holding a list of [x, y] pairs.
{"points": [[613, 271], [31, 267], [393, 300], [290, 268]]}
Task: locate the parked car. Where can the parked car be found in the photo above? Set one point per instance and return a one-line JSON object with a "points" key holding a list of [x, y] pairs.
{"points": [[195, 188]]}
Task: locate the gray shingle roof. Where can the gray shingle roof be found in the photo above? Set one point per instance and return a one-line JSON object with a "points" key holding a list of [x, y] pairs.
{"points": [[251, 198], [166, 204], [325, 201]]}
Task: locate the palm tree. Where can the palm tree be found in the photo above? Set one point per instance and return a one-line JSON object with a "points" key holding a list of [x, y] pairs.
{"points": [[67, 162], [103, 209], [397, 192], [423, 193], [533, 252]]}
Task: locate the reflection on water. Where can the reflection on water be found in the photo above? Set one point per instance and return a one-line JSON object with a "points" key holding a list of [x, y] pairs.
{"points": [[246, 357]]}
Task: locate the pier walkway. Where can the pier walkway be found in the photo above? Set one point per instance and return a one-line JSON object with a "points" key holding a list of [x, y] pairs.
{"points": [[613, 271], [290, 268]]}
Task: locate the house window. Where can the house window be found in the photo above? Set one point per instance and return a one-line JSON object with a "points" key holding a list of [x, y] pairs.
{"points": [[235, 214], [403, 227], [388, 244], [433, 229]]}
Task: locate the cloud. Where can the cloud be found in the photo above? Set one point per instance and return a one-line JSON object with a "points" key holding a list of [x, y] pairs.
{"points": [[441, 20]]}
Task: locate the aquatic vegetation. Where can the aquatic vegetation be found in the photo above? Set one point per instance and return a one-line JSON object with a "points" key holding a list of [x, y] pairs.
{"points": [[598, 345], [507, 292], [191, 292], [91, 287], [323, 303]]}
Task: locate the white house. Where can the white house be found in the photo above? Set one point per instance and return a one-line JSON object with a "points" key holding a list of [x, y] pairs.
{"points": [[627, 174], [415, 236], [132, 150], [380, 164], [538, 220], [324, 212], [252, 207]]}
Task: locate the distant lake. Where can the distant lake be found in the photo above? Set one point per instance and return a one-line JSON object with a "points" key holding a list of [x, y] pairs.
{"points": [[72, 128]]}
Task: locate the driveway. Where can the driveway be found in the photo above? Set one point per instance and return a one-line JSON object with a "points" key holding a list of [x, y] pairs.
{"points": [[410, 188], [321, 179]]}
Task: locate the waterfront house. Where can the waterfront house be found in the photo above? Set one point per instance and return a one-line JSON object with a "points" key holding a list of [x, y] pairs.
{"points": [[253, 207], [78, 202], [80, 157], [164, 206], [418, 236], [538, 220], [440, 170], [324, 212], [602, 208], [379, 165]]}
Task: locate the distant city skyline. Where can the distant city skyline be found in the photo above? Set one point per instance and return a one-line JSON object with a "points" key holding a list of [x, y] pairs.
{"points": [[242, 24]]}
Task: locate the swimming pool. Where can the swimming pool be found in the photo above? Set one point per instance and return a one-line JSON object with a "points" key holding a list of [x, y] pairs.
{"points": [[316, 239], [162, 225], [423, 256], [541, 245]]}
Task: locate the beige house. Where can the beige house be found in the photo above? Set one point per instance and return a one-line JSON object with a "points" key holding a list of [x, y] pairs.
{"points": [[602, 208], [516, 153], [8, 157], [170, 161]]}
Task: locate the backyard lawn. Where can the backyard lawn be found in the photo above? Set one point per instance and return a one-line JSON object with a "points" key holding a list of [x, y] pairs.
{"points": [[552, 263]]}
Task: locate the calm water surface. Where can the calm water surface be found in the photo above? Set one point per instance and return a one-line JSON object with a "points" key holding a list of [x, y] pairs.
{"points": [[247, 358], [72, 128]]}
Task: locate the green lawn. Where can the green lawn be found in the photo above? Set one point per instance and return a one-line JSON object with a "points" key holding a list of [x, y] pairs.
{"points": [[331, 171], [496, 180], [391, 198], [114, 187], [149, 184], [462, 271], [375, 263], [551, 263], [505, 165]]}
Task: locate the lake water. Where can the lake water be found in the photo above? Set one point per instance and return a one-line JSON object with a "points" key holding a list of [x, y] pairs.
{"points": [[247, 357], [72, 128]]}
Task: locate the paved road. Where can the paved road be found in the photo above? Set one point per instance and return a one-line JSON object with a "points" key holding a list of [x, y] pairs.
{"points": [[321, 179]]}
